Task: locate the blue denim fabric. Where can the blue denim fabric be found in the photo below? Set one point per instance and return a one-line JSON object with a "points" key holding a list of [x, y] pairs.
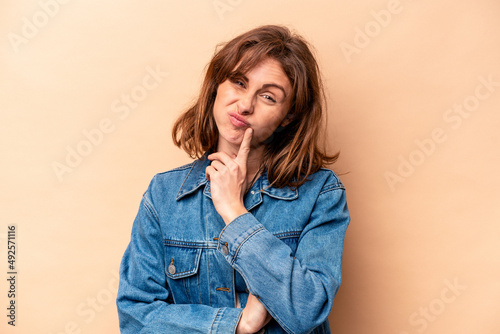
{"points": [[180, 271]]}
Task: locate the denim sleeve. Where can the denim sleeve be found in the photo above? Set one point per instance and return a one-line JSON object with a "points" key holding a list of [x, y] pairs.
{"points": [[298, 291], [143, 295]]}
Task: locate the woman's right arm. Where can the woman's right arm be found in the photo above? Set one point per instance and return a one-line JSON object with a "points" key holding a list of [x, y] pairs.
{"points": [[144, 301]]}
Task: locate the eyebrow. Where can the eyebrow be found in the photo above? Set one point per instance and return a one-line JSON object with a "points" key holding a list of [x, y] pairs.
{"points": [[268, 85], [274, 85]]}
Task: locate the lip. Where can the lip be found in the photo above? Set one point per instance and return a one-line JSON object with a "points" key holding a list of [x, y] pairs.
{"points": [[238, 120]]}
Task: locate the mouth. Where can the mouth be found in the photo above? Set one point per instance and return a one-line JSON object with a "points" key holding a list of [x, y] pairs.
{"points": [[238, 121]]}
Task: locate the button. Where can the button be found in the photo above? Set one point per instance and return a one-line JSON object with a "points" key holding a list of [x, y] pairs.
{"points": [[252, 192], [225, 250], [171, 267]]}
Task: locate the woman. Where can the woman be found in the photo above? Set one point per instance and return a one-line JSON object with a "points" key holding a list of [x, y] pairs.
{"points": [[249, 236]]}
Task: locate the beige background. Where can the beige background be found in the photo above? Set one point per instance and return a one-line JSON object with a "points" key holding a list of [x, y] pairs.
{"points": [[408, 107]]}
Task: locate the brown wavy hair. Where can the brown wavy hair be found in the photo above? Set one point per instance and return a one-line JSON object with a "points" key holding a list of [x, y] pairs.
{"points": [[293, 153]]}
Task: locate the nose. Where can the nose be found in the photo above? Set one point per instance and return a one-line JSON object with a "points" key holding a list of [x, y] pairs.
{"points": [[245, 103]]}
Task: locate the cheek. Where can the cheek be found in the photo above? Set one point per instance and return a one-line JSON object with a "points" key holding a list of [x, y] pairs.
{"points": [[219, 97], [219, 104], [225, 94], [267, 128], [266, 131]]}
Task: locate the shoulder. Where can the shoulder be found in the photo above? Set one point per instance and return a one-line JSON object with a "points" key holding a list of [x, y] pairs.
{"points": [[167, 184], [328, 192], [175, 172], [321, 185], [325, 179]]}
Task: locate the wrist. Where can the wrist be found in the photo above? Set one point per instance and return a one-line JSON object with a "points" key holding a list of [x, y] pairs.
{"points": [[244, 326], [233, 213]]}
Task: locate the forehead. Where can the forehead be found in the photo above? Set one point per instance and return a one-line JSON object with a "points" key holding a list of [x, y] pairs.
{"points": [[267, 70]]}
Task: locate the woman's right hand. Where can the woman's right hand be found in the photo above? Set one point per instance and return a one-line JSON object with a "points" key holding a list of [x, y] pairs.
{"points": [[254, 317]]}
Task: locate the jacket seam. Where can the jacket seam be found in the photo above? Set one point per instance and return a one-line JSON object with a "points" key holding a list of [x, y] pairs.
{"points": [[242, 242], [237, 322], [213, 322], [190, 244], [178, 275], [331, 187], [289, 234], [149, 206], [179, 195]]}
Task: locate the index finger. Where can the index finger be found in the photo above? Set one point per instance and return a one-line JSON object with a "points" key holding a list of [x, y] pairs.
{"points": [[245, 146]]}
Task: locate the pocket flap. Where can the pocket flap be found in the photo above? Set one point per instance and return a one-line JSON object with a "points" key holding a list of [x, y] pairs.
{"points": [[181, 261]]}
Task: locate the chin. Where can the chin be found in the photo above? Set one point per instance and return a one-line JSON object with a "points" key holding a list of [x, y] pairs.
{"points": [[231, 137]]}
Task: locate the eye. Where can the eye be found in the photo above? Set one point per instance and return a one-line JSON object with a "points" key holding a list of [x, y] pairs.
{"points": [[269, 98], [238, 82]]}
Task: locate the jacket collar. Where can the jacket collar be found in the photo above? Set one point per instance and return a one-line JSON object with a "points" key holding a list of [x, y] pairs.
{"points": [[196, 178]]}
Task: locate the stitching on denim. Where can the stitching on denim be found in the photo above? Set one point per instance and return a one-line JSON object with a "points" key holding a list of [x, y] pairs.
{"points": [[224, 229], [208, 270], [179, 195], [187, 273], [233, 279], [290, 234], [198, 283], [178, 275], [233, 260], [207, 254], [294, 196], [331, 187], [190, 244], [187, 290], [213, 322], [149, 206], [237, 322]]}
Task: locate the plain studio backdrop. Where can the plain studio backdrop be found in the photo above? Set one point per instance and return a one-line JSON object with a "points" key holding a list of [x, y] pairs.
{"points": [[89, 91]]}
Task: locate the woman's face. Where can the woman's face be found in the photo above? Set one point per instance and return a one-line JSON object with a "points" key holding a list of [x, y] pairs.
{"points": [[260, 99]]}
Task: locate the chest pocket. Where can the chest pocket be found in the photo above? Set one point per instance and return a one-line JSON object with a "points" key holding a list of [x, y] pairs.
{"points": [[182, 266]]}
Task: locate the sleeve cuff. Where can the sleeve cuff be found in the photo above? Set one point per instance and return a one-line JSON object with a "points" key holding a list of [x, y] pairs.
{"points": [[236, 233], [226, 320]]}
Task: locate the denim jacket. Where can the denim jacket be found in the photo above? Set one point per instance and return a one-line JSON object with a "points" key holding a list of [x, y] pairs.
{"points": [[183, 267]]}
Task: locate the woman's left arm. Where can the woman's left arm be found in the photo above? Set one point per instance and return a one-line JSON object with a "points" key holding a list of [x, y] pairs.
{"points": [[298, 291]]}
